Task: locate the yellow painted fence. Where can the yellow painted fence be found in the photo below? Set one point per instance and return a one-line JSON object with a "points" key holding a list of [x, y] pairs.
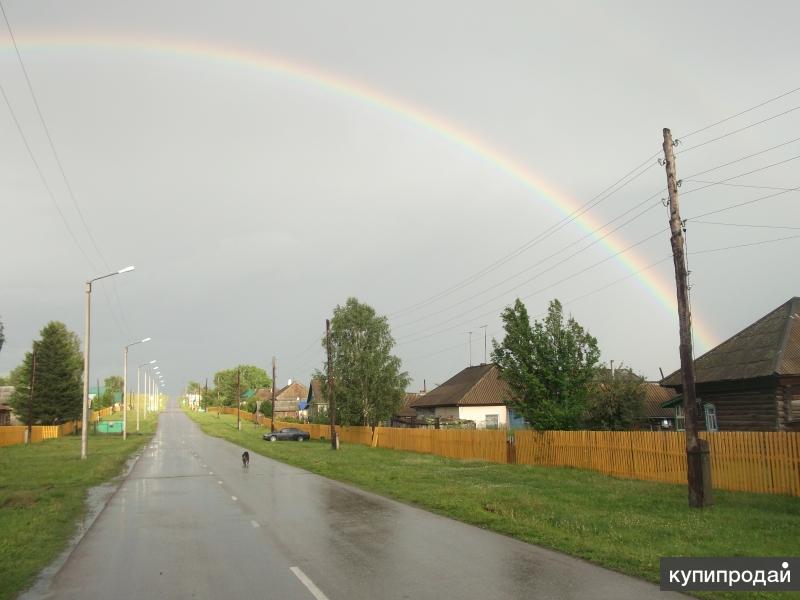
{"points": [[752, 461], [15, 434]]}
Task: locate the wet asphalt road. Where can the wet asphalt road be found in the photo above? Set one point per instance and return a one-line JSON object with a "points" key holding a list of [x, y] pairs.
{"points": [[189, 522]]}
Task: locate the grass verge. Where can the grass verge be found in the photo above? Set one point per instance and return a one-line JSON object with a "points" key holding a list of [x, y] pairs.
{"points": [[621, 524], [42, 497]]}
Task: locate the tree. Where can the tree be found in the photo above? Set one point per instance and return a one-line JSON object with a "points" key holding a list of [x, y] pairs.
{"points": [[58, 388], [2, 336], [368, 381], [251, 378], [616, 400], [112, 385], [548, 366]]}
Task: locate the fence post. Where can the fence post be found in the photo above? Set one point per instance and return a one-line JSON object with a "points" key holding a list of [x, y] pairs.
{"points": [[511, 450]]}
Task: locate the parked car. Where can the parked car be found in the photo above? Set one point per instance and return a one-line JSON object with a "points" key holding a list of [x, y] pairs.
{"points": [[288, 433]]}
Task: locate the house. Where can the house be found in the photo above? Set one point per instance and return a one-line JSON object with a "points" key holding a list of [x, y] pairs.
{"points": [[290, 401], [316, 402], [475, 394], [6, 412], [750, 382], [406, 414], [657, 417]]}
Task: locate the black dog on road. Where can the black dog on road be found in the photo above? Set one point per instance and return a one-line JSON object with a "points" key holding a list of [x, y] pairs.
{"points": [[245, 459]]}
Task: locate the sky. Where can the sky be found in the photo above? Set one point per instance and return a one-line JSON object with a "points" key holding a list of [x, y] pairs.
{"points": [[261, 162]]}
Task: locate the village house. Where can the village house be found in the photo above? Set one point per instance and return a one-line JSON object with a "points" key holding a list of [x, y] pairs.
{"points": [[290, 400], [475, 394], [657, 417], [750, 382], [316, 402]]}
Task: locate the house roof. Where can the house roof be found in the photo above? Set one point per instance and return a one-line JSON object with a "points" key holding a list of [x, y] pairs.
{"points": [[293, 391], [406, 408], [655, 396], [770, 346], [474, 386]]}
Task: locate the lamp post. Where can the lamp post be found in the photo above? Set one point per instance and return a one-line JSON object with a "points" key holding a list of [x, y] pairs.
{"points": [[86, 339], [125, 388], [153, 383], [138, 393]]}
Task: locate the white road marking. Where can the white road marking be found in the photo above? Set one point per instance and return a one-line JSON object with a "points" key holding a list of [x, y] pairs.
{"points": [[315, 591], [211, 472], [219, 482], [255, 524], [234, 498]]}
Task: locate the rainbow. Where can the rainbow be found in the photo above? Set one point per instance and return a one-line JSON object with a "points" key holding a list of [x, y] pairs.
{"points": [[660, 290]]}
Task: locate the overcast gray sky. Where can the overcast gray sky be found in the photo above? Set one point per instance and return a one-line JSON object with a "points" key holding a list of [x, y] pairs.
{"points": [[255, 195]]}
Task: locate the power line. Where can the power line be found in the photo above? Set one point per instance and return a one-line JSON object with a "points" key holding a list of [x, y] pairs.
{"points": [[743, 225], [44, 180], [764, 168], [565, 303], [746, 203], [59, 163], [540, 290], [734, 132], [588, 205], [743, 158], [562, 261], [739, 114], [594, 232], [594, 201], [739, 185], [761, 243]]}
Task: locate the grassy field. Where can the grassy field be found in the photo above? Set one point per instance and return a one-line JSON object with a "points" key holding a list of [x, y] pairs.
{"points": [[621, 524], [42, 493]]}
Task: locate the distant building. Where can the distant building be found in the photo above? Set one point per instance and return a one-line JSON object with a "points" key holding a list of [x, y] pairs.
{"points": [[474, 394], [291, 401], [316, 402], [658, 418], [6, 412]]}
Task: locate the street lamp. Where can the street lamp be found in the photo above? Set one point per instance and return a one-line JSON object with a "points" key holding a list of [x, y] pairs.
{"points": [[138, 393], [125, 388], [86, 339]]}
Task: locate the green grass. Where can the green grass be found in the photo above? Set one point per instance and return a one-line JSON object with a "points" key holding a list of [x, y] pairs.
{"points": [[621, 524], [42, 497]]}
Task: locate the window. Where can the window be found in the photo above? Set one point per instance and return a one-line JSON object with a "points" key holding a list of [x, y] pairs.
{"points": [[680, 419], [711, 417], [491, 421]]}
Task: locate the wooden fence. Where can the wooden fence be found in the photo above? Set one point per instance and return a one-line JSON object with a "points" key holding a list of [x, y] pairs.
{"points": [[752, 461], [11, 435]]}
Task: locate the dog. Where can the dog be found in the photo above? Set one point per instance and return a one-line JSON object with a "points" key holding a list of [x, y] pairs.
{"points": [[245, 459]]}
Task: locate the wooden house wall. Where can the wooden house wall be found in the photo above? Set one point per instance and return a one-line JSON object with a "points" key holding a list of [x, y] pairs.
{"points": [[742, 407]]}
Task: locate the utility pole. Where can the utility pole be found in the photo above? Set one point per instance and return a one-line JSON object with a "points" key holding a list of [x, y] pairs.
{"points": [[30, 396], [272, 417], [698, 473], [205, 394], [238, 400], [485, 357], [469, 333], [331, 402]]}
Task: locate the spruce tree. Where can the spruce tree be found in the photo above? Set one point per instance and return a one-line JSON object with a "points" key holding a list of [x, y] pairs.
{"points": [[57, 389]]}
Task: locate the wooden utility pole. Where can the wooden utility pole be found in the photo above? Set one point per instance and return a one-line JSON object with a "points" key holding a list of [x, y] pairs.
{"points": [[30, 396], [238, 399], [699, 478], [204, 399], [331, 402], [272, 416]]}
